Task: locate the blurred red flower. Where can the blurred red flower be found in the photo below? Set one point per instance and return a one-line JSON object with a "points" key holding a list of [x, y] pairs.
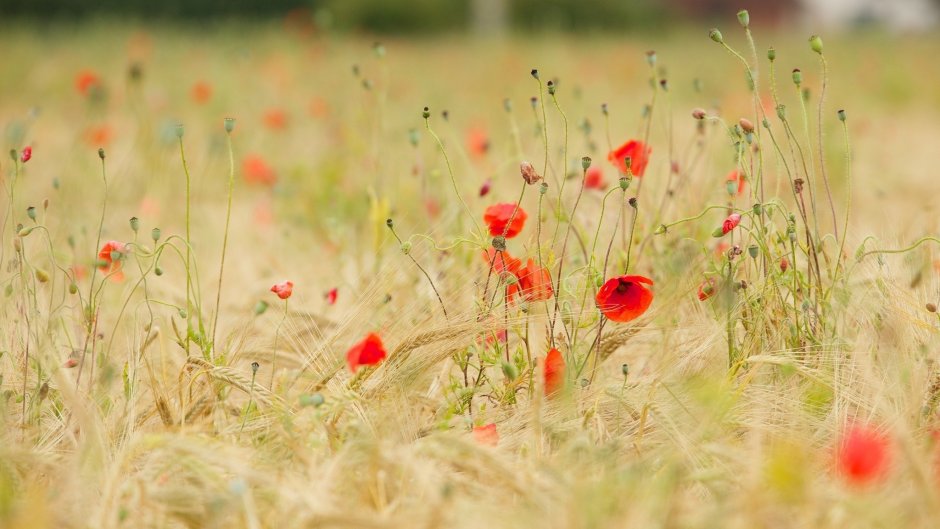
{"points": [[85, 81], [639, 154], [201, 92], [594, 178], [735, 176], [478, 144], [367, 352], [257, 171], [624, 298], [283, 289], [486, 434], [554, 372], [706, 289], [109, 260], [26, 154], [331, 296], [498, 217], [99, 136], [275, 119], [535, 281], [863, 455]]}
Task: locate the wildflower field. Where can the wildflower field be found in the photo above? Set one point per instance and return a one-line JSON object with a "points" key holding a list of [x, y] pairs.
{"points": [[263, 276]]}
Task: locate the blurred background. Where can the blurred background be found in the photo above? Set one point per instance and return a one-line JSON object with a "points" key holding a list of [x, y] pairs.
{"points": [[493, 16]]}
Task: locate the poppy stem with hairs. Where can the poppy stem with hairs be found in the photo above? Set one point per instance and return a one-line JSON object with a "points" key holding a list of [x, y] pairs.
{"points": [[585, 164], [406, 249], [91, 310], [229, 126], [189, 280], [450, 171], [277, 334], [848, 183], [819, 137]]}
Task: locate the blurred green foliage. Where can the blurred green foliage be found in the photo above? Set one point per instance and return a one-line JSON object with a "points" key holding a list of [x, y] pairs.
{"points": [[378, 16]]}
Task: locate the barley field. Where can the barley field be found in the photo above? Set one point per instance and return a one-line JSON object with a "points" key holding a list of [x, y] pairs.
{"points": [[255, 276]]}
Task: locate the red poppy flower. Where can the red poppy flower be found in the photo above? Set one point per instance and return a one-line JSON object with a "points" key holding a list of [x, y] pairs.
{"points": [[489, 338], [477, 142], [433, 207], [368, 352], [201, 92], [594, 178], [784, 264], [283, 289], [485, 188], [735, 177], [536, 282], [639, 154], [275, 119], [257, 171], [498, 216], [109, 260], [502, 261], [486, 434], [706, 289], [624, 298], [554, 372], [331, 296], [26, 154], [99, 136], [85, 81], [730, 223], [863, 455]]}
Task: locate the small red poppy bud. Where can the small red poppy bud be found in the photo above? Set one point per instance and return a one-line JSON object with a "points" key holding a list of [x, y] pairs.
{"points": [[485, 188], [70, 363], [706, 289], [784, 264], [332, 295], [698, 113], [26, 154], [730, 223]]}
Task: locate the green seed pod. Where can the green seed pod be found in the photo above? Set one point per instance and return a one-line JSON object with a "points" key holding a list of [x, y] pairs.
{"points": [[179, 130], [715, 35], [499, 243], [841, 114], [758, 209], [426, 113], [135, 224], [797, 77], [510, 370], [229, 124], [158, 271], [816, 44], [73, 288], [585, 162], [31, 212], [753, 251], [406, 247], [543, 188], [260, 308], [771, 54], [101, 153], [625, 369], [182, 313], [731, 187], [624, 183], [155, 234], [744, 18]]}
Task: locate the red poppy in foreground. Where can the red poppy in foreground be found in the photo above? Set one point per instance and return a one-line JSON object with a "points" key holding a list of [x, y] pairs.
{"points": [[368, 352], [498, 217], [109, 260], [554, 372], [85, 81], [706, 289], [863, 455], [535, 281], [26, 154], [639, 154], [283, 289], [594, 178], [734, 177], [502, 262], [486, 434], [201, 92], [624, 298], [257, 171]]}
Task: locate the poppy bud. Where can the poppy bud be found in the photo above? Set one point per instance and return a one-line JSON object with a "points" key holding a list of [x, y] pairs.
{"points": [[485, 188], [155, 234], [841, 114], [660, 230], [744, 18], [157, 270], [41, 275], [135, 224], [390, 223], [931, 307], [771, 54], [651, 57], [426, 113], [625, 369], [254, 367], [765, 122], [543, 188], [604, 108], [797, 77], [585, 162], [698, 113], [101, 153], [26, 154], [782, 112], [746, 125], [179, 130], [316, 400], [182, 313], [229, 124], [715, 35], [510, 370], [499, 243], [551, 88], [758, 209], [528, 173], [535, 73], [784, 264], [73, 288], [260, 307], [753, 250], [632, 202], [31, 212], [406, 247], [815, 43], [624, 183], [23, 232]]}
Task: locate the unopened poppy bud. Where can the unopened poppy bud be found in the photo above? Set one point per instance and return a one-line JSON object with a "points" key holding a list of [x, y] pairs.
{"points": [[155, 234], [499, 243], [31, 212], [632, 202], [931, 307], [841, 114], [744, 18], [698, 113], [260, 307], [45, 204], [135, 224], [41, 275], [158, 270], [406, 247], [758, 209], [765, 122], [731, 186], [426, 113], [229, 124], [543, 188], [390, 223], [624, 183], [585, 162], [746, 125], [753, 250], [782, 112], [316, 400], [73, 288], [101, 153], [661, 230], [182, 313], [510, 370], [715, 35], [551, 88], [254, 367], [179, 130], [604, 109], [815, 43], [13, 154], [535, 73], [797, 77], [625, 369]]}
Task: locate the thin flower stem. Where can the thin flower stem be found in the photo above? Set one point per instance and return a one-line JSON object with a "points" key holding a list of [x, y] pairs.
{"points": [[277, 333], [450, 171], [189, 307], [916, 243], [822, 157], [848, 188], [228, 217]]}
